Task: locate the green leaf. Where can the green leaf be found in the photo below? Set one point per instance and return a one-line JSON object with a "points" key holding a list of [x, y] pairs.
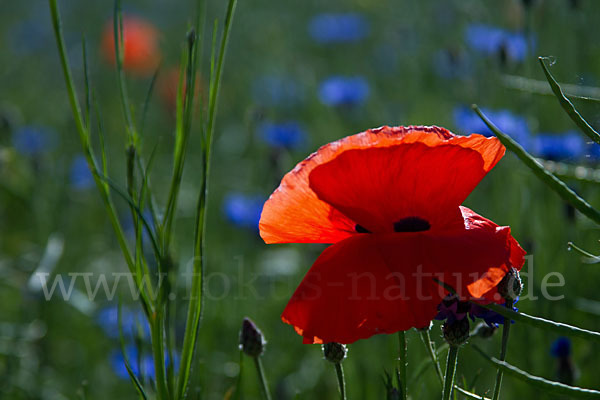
{"points": [[545, 176], [541, 383], [567, 105]]}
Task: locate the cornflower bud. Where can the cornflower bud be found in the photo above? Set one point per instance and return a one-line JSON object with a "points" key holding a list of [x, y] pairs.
{"points": [[252, 341]]}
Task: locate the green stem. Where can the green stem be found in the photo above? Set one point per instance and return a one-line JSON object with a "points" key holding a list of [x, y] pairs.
{"points": [[261, 377], [195, 308], [567, 105], [341, 381], [433, 356], [542, 323], [402, 362], [450, 370], [426, 337], [119, 40], [543, 174], [159, 356], [505, 332], [85, 138], [555, 388]]}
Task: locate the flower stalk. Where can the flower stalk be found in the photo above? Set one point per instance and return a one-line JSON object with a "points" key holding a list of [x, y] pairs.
{"points": [[450, 370], [341, 381], [402, 361]]}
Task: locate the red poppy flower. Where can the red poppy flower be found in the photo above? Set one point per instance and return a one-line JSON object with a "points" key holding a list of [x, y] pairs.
{"points": [[389, 199], [141, 54]]}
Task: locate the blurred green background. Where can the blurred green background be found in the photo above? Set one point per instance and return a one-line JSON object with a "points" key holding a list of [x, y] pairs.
{"points": [[394, 63]]}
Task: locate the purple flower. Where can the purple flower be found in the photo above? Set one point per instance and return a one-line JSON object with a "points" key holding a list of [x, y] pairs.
{"points": [[452, 310], [514, 125], [289, 134], [338, 28], [81, 176], [344, 91], [558, 147], [243, 210], [493, 41]]}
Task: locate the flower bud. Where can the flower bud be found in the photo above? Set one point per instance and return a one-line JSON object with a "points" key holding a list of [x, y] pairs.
{"points": [[457, 332], [252, 341], [334, 352], [510, 287]]}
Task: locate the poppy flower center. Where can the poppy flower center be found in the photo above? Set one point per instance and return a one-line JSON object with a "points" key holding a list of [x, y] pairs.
{"points": [[361, 229], [411, 224]]}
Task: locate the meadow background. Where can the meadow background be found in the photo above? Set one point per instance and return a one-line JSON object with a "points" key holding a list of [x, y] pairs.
{"points": [[289, 86]]}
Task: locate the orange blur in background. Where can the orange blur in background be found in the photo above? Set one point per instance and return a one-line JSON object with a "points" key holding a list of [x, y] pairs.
{"points": [[141, 53]]}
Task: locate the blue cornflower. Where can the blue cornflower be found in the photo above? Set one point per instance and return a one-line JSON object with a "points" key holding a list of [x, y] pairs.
{"points": [[559, 147], [131, 322], [592, 151], [32, 140], [344, 91], [243, 210], [492, 41], [289, 134], [277, 90], [141, 366], [561, 347], [452, 310], [450, 64], [514, 125], [338, 28], [81, 176]]}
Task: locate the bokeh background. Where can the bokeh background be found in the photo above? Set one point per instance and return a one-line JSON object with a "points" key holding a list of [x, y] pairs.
{"points": [[297, 75]]}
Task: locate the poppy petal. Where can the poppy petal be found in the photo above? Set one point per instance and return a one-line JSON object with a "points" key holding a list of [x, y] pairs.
{"points": [[383, 283], [418, 179], [295, 214], [352, 293]]}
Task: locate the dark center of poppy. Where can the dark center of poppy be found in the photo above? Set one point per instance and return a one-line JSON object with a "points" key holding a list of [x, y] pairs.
{"points": [[361, 229], [411, 224]]}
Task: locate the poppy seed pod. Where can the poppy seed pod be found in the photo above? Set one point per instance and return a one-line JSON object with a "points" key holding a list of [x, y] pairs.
{"points": [[334, 352], [456, 333], [510, 287], [252, 341]]}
